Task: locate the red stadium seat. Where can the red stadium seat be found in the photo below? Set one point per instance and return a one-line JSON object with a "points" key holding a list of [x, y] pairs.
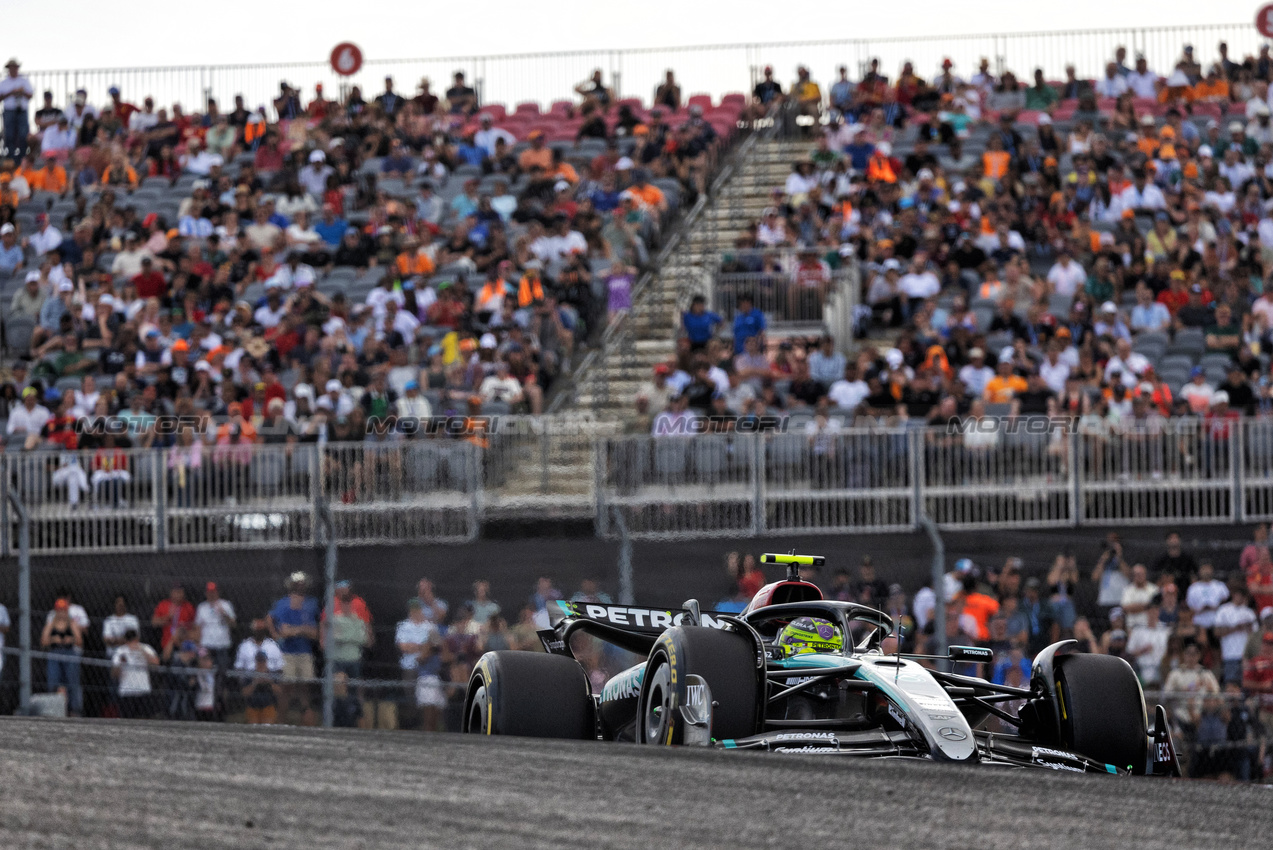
{"points": [[634, 102], [527, 108], [734, 97], [561, 107], [1029, 116], [1207, 110], [703, 100], [495, 110]]}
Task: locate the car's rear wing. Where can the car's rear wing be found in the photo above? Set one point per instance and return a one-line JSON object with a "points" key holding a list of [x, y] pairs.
{"points": [[652, 621]]}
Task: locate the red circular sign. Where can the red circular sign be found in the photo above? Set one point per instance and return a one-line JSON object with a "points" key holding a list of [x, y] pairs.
{"points": [[346, 58], [1264, 20]]}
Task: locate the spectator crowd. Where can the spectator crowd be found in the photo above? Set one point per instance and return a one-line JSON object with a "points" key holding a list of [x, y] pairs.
{"points": [[1096, 251], [402, 255], [188, 660]]}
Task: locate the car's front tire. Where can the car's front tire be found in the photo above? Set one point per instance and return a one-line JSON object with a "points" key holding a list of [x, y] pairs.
{"points": [[531, 694], [727, 663], [1102, 710]]}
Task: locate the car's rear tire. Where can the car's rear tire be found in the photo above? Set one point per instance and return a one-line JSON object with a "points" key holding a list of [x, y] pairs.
{"points": [[531, 694], [1103, 710], [725, 660]]}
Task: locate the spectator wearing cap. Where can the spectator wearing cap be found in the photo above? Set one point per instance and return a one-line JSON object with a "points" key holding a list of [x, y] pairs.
{"points": [[127, 263], [349, 632], [257, 642], [175, 617], [214, 620], [16, 92], [29, 417], [12, 257], [29, 300]]}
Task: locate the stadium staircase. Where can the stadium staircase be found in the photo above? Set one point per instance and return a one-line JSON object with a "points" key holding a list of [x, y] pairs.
{"points": [[557, 471], [606, 386]]}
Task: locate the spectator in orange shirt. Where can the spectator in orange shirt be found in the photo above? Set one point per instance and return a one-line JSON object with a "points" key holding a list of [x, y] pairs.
{"points": [[1214, 87], [538, 154], [995, 161], [979, 606], [563, 170], [50, 177], [647, 195], [414, 259], [120, 173], [1004, 386]]}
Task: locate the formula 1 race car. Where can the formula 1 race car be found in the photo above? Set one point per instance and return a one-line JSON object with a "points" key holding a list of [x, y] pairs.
{"points": [[796, 673]]}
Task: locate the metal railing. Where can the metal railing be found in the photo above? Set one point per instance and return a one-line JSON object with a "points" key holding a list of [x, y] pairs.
{"points": [[714, 69], [787, 296], [814, 476]]}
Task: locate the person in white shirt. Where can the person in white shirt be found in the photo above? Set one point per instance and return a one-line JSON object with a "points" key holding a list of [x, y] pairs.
{"points": [[399, 320], [16, 92], [1066, 276], [130, 668], [1137, 597], [488, 134], [1148, 644], [215, 619], [1141, 195], [849, 391], [1205, 596], [412, 405], [259, 641], [58, 139], [800, 180], [1234, 168], [198, 160], [117, 625], [269, 314], [1129, 364], [46, 238], [919, 282], [976, 374], [1113, 84], [313, 177], [501, 386], [29, 417], [1142, 81], [1053, 370], [1234, 622], [1198, 392], [144, 118]]}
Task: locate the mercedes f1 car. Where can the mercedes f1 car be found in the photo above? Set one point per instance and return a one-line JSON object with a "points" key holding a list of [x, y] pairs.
{"points": [[796, 673]]}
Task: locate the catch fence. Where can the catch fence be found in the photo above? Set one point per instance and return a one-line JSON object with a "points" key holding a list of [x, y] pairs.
{"points": [[713, 69]]}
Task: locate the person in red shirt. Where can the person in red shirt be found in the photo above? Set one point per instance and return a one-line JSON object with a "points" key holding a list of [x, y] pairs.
{"points": [[752, 579], [174, 615], [150, 282], [1177, 293], [1257, 672], [1259, 581]]}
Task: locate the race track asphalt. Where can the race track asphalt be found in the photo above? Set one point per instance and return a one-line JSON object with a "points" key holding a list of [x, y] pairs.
{"points": [[113, 784]]}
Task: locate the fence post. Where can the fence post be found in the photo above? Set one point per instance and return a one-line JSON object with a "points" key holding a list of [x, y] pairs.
{"points": [[24, 604], [160, 485], [939, 587], [602, 510], [476, 481], [627, 592], [329, 606], [1237, 451], [759, 514], [1076, 477]]}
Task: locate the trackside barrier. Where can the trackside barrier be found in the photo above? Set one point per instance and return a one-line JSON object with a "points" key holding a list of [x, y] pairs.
{"points": [[796, 474]]}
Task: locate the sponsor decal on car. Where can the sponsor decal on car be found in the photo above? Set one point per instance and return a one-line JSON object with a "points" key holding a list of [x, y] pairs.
{"points": [[895, 713], [817, 750], [807, 736], [1044, 757], [950, 733], [633, 617], [626, 685]]}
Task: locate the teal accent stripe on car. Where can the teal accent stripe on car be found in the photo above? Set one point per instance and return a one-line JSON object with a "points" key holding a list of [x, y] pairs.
{"points": [[729, 744], [1109, 768]]}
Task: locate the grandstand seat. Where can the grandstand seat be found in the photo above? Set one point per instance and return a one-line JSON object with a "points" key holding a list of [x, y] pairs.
{"points": [[703, 100], [1175, 362], [527, 108]]}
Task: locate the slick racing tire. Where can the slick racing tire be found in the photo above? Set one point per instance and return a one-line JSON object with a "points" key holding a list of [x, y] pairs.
{"points": [[1102, 710], [531, 694], [725, 660]]}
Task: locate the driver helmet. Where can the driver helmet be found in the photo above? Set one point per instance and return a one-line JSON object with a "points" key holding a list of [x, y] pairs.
{"points": [[810, 634]]}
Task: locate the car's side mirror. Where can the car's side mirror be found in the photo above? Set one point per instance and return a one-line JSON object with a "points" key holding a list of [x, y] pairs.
{"points": [[978, 654]]}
